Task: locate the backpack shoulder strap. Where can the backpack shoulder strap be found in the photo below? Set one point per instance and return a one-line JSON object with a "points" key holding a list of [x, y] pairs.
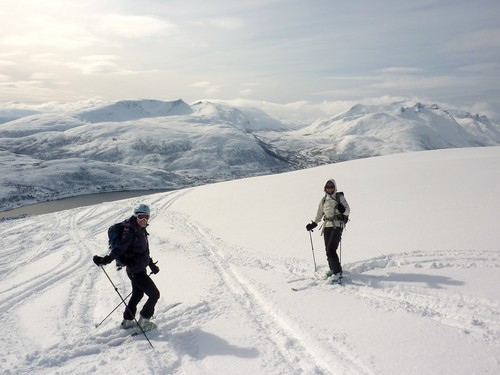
{"points": [[338, 194]]}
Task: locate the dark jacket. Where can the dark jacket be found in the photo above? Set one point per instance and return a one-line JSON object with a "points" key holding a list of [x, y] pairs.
{"points": [[135, 240]]}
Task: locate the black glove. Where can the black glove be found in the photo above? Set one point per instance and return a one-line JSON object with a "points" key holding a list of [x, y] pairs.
{"points": [[311, 226], [341, 208], [154, 268], [102, 261], [345, 219]]}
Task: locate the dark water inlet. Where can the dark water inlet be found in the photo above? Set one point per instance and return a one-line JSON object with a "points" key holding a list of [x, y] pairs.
{"points": [[73, 202]]}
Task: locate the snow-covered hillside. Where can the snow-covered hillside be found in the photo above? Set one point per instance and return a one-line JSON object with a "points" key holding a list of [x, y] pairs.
{"points": [[368, 130], [151, 144], [421, 254]]}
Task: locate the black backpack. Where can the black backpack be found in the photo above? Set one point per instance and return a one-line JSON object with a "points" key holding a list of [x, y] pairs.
{"points": [[115, 233]]}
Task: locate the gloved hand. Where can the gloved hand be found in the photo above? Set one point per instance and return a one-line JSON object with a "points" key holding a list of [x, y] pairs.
{"points": [[341, 208], [311, 226], [345, 219], [102, 261], [154, 268]]}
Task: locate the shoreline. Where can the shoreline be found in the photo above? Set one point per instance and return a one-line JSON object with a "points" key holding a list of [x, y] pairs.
{"points": [[74, 202]]}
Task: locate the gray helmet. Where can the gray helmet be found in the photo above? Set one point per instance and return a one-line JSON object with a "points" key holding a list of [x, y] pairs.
{"points": [[142, 209]]}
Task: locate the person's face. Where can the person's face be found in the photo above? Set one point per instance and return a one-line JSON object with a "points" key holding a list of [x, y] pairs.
{"points": [[142, 220], [330, 188]]}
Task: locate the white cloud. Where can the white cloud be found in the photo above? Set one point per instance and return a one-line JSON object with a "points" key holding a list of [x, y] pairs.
{"points": [[227, 23], [99, 64], [480, 68], [246, 92], [202, 84], [93, 58], [48, 58], [208, 88], [48, 32], [7, 63], [133, 26], [42, 76], [421, 83], [485, 41], [400, 70]]}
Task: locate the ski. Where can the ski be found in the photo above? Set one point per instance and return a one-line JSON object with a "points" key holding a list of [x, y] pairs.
{"points": [[171, 306], [144, 330], [307, 286], [329, 281], [153, 326], [338, 280]]}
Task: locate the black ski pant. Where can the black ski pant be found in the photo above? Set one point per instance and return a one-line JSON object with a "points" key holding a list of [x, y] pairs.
{"points": [[332, 237], [141, 284]]}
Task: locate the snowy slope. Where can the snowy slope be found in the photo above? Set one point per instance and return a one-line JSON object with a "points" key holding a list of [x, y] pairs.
{"points": [[421, 254]]}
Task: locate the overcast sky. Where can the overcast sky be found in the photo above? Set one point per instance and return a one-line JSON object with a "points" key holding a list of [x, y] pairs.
{"points": [[323, 53]]}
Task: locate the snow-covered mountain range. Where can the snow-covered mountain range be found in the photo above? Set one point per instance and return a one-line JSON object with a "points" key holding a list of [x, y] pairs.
{"points": [[152, 144]]}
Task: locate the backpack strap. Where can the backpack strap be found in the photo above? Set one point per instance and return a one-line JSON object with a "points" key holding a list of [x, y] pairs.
{"points": [[343, 218], [338, 194], [337, 197]]}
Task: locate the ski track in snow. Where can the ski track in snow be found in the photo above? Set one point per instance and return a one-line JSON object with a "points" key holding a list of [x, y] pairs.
{"points": [[385, 293], [478, 317], [284, 344], [297, 350]]}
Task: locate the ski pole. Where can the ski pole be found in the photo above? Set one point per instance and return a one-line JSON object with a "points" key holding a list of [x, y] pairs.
{"points": [[312, 248], [107, 316], [117, 306], [340, 260], [340, 251], [126, 306]]}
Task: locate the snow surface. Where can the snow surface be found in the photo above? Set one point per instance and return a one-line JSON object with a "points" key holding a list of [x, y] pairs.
{"points": [[421, 255]]}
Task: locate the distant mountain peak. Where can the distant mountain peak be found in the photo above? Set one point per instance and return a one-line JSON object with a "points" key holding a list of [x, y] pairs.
{"points": [[125, 110]]}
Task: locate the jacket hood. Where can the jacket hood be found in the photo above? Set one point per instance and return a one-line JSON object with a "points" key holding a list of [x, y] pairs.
{"points": [[332, 181]]}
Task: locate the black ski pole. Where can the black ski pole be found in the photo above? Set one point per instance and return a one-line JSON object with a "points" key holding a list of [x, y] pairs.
{"points": [[117, 306], [340, 261], [126, 306], [107, 316], [312, 248]]}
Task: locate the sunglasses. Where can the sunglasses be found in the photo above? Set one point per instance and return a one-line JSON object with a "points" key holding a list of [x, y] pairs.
{"points": [[142, 216], [329, 187]]}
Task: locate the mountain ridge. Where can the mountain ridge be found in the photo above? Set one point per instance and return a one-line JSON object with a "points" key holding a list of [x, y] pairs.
{"points": [[153, 144]]}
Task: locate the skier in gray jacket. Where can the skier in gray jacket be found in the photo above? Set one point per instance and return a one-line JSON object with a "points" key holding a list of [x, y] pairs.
{"points": [[334, 210]]}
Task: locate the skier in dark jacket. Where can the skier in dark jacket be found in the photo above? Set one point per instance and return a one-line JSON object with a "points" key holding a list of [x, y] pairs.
{"points": [[334, 211], [134, 242]]}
